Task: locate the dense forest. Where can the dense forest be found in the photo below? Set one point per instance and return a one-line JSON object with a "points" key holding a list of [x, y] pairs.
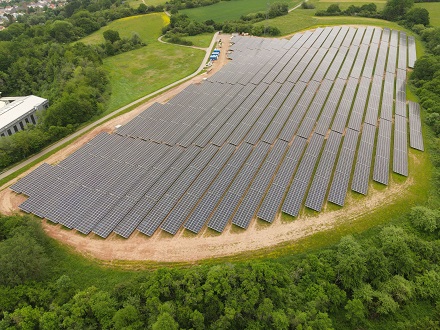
{"points": [[389, 276]]}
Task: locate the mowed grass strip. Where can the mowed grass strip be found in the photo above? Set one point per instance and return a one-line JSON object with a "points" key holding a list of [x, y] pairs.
{"points": [[230, 10], [142, 71]]}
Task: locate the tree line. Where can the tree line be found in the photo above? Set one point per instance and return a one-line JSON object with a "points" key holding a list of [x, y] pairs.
{"points": [[400, 11], [181, 25]]}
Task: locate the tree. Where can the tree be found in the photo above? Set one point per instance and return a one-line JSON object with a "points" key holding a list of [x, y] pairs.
{"points": [[111, 36], [355, 312], [333, 9], [396, 9], [278, 9], [127, 317], [142, 9], [417, 16], [425, 68], [428, 285], [165, 322], [351, 263], [425, 219], [395, 248], [22, 259], [62, 31]]}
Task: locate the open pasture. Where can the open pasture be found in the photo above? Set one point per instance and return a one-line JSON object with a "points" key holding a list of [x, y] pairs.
{"points": [[312, 118]]}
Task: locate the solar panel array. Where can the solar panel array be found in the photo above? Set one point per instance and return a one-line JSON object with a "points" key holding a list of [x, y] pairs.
{"points": [[286, 123]]}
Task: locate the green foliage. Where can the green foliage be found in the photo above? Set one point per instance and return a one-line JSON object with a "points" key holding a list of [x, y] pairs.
{"points": [[312, 291], [68, 75], [307, 5], [111, 35], [417, 16], [351, 266], [278, 9], [176, 5], [425, 219], [396, 9], [368, 10]]}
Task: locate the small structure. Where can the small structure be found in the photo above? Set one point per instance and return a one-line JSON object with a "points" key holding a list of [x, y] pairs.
{"points": [[17, 112]]}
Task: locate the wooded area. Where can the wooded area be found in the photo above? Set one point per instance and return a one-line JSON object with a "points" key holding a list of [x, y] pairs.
{"points": [[358, 283]]}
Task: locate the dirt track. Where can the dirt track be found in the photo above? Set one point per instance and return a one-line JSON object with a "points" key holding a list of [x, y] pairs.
{"points": [[163, 247]]}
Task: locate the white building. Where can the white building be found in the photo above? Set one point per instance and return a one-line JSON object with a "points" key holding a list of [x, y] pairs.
{"points": [[17, 112]]}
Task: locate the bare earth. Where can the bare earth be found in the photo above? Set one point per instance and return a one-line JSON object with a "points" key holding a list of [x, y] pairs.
{"points": [[184, 246]]}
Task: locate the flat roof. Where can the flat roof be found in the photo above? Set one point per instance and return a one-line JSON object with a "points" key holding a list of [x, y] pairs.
{"points": [[19, 107]]}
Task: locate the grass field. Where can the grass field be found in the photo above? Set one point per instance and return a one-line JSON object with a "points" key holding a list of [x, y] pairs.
{"points": [[434, 11], [230, 10], [149, 28], [137, 73], [148, 69], [136, 3], [200, 40]]}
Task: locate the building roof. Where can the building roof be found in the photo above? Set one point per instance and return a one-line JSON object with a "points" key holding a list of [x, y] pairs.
{"points": [[17, 107]]}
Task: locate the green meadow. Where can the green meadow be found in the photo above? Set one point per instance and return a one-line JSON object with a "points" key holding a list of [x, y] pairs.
{"points": [[142, 71]]}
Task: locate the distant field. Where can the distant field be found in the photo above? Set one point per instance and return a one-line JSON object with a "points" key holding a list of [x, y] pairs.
{"points": [[354, 1], [301, 19], [140, 72], [434, 11], [230, 10], [149, 28], [136, 3]]}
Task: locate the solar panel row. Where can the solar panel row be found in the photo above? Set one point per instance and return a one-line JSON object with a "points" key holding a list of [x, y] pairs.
{"points": [[298, 188], [316, 196], [341, 177], [415, 127], [383, 148]]}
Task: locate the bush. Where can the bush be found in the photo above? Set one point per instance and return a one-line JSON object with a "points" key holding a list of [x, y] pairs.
{"points": [[307, 5]]}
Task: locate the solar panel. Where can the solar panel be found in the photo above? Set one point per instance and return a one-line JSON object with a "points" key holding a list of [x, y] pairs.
{"points": [[318, 189], [201, 157], [416, 139]]}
